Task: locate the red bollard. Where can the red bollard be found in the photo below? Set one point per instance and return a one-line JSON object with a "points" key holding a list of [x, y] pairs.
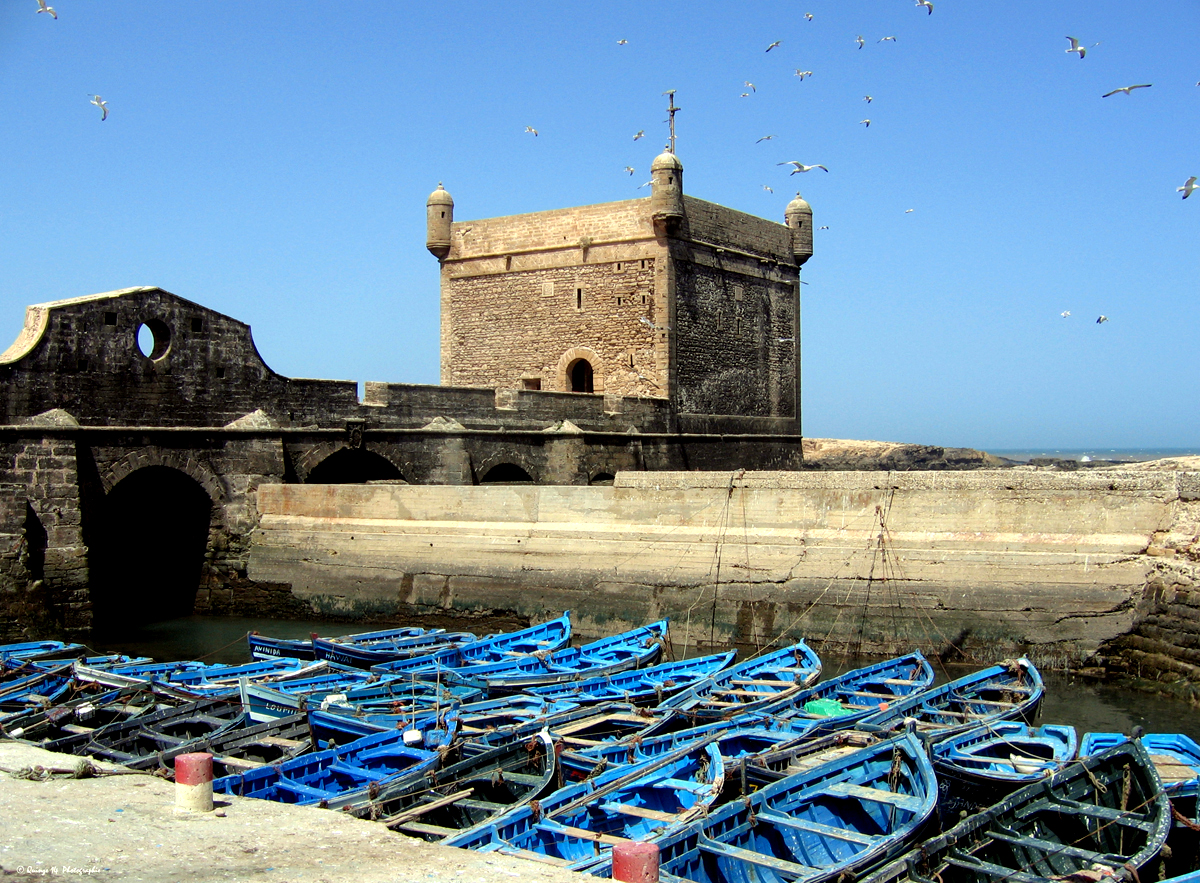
{"points": [[193, 782], [635, 862]]}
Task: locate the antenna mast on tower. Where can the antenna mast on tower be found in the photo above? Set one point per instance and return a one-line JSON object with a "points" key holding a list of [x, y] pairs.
{"points": [[671, 111]]}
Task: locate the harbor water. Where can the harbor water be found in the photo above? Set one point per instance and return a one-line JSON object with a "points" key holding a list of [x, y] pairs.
{"points": [[1088, 705]]}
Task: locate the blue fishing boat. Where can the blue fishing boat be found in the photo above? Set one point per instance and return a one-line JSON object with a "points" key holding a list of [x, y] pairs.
{"points": [[822, 823], [843, 700], [11, 654], [536, 642], [1011, 690], [750, 686], [1176, 758], [1103, 817], [267, 647], [621, 652], [471, 791], [577, 825], [978, 767], [265, 701], [347, 773], [377, 651], [90, 707], [642, 686], [40, 688]]}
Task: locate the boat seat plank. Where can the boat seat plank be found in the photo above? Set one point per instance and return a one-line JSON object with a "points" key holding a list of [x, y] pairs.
{"points": [[757, 694], [878, 795], [990, 703], [518, 852], [902, 682], [754, 858], [758, 682], [281, 742], [1101, 812], [583, 833], [419, 828], [641, 812], [786, 821], [487, 806], [521, 778], [1001, 873], [416, 812], [239, 763], [1044, 846], [683, 785]]}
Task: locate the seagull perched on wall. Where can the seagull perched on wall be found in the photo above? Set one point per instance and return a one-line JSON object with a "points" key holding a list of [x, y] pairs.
{"points": [[531, 129], [800, 167], [1127, 89], [1075, 47], [1188, 186], [42, 7], [773, 45], [103, 105], [1102, 319], [927, 4]]}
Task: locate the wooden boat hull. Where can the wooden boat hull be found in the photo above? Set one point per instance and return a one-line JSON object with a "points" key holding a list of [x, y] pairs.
{"points": [[1107, 811], [643, 686]]}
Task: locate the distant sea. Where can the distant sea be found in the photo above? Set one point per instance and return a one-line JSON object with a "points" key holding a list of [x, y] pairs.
{"points": [[1084, 455]]}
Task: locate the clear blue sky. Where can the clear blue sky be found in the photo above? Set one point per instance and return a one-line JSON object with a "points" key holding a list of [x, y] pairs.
{"points": [[271, 160]]}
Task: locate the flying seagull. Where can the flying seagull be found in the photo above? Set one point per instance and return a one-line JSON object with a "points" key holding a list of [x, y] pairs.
{"points": [[866, 123], [647, 184], [868, 99], [768, 189], [800, 167], [531, 129], [773, 45], [622, 42], [765, 138], [103, 105], [823, 228], [1127, 89], [927, 4], [808, 15], [749, 86], [1188, 186], [42, 7], [881, 39], [744, 95], [629, 169], [1075, 47], [1065, 313], [908, 211], [641, 134], [802, 74], [860, 41], [1102, 319]]}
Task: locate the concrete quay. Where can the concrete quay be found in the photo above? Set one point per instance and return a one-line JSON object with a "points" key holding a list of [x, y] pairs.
{"points": [[988, 562], [123, 826]]}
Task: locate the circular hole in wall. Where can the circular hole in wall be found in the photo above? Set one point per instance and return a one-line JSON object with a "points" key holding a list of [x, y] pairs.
{"points": [[153, 339]]}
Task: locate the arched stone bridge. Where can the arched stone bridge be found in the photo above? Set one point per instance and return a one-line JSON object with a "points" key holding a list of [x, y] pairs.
{"points": [[138, 426]]}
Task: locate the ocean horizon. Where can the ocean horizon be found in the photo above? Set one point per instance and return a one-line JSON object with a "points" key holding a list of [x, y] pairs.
{"points": [[1085, 455]]}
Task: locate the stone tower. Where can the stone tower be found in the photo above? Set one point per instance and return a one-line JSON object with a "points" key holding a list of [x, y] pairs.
{"points": [[667, 297]]}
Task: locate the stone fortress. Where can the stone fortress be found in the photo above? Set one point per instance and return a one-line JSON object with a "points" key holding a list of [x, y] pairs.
{"points": [[617, 432]]}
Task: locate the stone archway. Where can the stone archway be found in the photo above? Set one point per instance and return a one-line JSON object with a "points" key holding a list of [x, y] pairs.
{"points": [[580, 370], [147, 548], [353, 466]]}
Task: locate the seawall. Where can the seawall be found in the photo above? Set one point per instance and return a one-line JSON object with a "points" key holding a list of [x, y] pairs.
{"points": [[983, 563]]}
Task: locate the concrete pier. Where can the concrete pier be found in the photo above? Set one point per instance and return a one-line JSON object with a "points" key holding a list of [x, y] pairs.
{"points": [[991, 562]]}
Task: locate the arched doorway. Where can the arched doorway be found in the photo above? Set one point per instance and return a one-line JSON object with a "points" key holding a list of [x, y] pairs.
{"points": [[353, 466], [580, 374], [506, 473], [146, 551]]}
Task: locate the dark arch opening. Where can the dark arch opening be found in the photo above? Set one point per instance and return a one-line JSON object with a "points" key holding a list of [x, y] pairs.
{"points": [[353, 466], [602, 478], [580, 373], [36, 540], [506, 473], [147, 549]]}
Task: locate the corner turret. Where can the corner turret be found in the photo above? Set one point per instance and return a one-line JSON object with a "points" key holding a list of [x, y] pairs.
{"points": [[666, 194], [439, 215], [798, 216]]}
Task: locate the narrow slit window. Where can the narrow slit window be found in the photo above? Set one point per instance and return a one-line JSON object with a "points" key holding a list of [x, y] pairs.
{"points": [[579, 298]]}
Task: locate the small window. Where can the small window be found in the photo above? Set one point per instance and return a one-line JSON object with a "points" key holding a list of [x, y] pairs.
{"points": [[110, 318], [579, 298], [738, 329], [531, 383], [197, 324], [643, 298], [618, 301], [643, 265], [83, 365], [618, 266], [220, 374]]}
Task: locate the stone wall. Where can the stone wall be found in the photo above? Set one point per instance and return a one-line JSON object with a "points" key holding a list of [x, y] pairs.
{"points": [[972, 565]]}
